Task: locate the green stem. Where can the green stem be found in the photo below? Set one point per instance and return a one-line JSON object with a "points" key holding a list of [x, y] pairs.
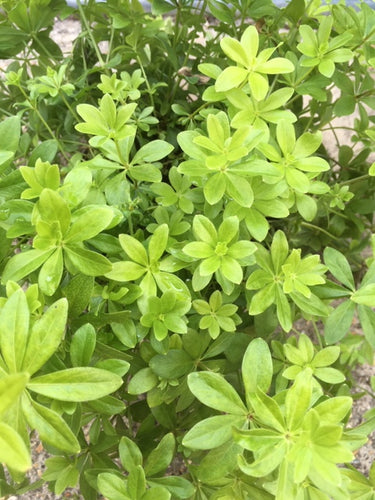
{"points": [[89, 32], [110, 44], [43, 47], [130, 222], [365, 39], [66, 102], [40, 116], [356, 179], [317, 334], [147, 82], [317, 228], [191, 116]]}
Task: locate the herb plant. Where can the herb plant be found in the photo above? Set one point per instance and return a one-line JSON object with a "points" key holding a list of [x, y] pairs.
{"points": [[183, 251]]}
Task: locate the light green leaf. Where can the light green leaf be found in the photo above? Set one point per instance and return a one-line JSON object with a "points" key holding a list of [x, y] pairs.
{"points": [[367, 319], [326, 357], [339, 267], [45, 337], [136, 482], [267, 410], [275, 66], [230, 78], [52, 207], [263, 299], [198, 250], [204, 230], [231, 269], [76, 384], [298, 399], [112, 486], [92, 222], [210, 265], [152, 151], [257, 367], [130, 454], [258, 85], [235, 50], [14, 327], [11, 387], [143, 381], [279, 250], [214, 391], [82, 345], [265, 463], [329, 375], [240, 190], [161, 456], [212, 432], [51, 427], [158, 243], [88, 262], [338, 322], [176, 485], [24, 263], [134, 249], [13, 450], [334, 410], [51, 272], [214, 188], [156, 493], [284, 313], [365, 295]]}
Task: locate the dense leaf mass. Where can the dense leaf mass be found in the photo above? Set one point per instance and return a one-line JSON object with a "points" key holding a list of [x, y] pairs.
{"points": [[176, 201]]}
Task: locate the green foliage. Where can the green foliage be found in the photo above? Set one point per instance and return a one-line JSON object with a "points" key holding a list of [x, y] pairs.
{"points": [[170, 216]]}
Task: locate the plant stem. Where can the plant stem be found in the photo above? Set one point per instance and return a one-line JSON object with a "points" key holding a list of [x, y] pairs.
{"points": [[66, 102], [40, 116], [147, 82], [91, 36], [317, 334], [317, 228], [356, 179]]}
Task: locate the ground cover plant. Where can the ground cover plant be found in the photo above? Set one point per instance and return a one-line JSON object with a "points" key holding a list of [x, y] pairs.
{"points": [[170, 217]]}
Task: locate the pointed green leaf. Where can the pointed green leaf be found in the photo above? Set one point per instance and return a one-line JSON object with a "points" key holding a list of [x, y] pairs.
{"points": [[257, 368], [134, 249], [161, 456], [338, 322], [230, 78], [339, 267], [298, 399], [212, 432], [13, 450], [143, 381], [88, 262], [51, 272], [51, 427], [152, 151], [214, 391], [45, 336], [130, 454], [158, 243], [365, 295], [112, 486], [11, 387], [24, 263], [76, 384], [89, 224], [14, 328], [82, 345]]}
